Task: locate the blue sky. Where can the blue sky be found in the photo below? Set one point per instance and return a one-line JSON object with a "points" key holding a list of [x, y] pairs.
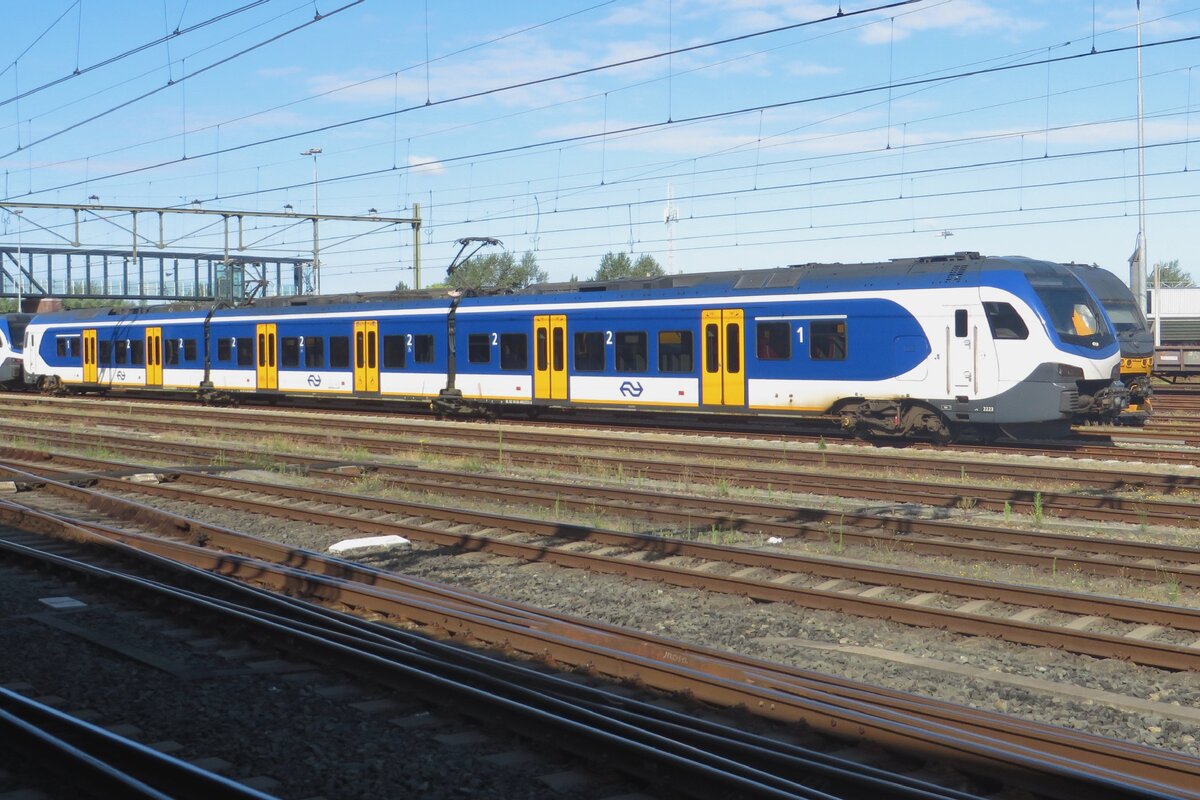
{"points": [[918, 129]]}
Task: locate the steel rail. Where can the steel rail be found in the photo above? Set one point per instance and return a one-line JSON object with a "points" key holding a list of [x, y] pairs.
{"points": [[1158, 562], [1149, 653], [1090, 477], [1123, 769], [814, 481], [113, 764], [564, 723]]}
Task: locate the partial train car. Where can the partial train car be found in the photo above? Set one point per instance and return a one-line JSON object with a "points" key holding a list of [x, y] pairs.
{"points": [[12, 335], [1133, 333], [930, 347], [1178, 312]]}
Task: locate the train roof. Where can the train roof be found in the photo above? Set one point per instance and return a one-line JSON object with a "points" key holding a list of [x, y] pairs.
{"points": [[959, 269], [1104, 284]]}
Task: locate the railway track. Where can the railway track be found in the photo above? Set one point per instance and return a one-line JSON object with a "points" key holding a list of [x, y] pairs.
{"points": [[707, 758], [1154, 635], [1052, 761], [808, 471], [689, 516], [1116, 443]]}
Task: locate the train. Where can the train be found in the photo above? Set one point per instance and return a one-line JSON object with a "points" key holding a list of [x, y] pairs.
{"points": [[12, 337], [939, 347], [1133, 333], [1177, 358]]}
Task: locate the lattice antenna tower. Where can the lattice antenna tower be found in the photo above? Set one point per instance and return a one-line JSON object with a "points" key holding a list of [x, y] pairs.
{"points": [[670, 217]]}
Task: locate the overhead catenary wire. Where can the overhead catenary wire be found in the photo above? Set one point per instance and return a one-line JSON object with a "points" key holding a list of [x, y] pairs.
{"points": [[612, 179], [126, 54], [184, 77], [467, 96], [558, 141]]}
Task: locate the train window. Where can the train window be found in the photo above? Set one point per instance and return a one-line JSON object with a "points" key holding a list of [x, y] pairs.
{"points": [[245, 351], [393, 352], [121, 351], [171, 348], [372, 350], [105, 352], [314, 352], [479, 348], [733, 349], [137, 352], [589, 352], [558, 349], [827, 341], [1005, 322], [189, 349], [224, 349], [773, 341], [68, 346], [543, 357], [289, 351], [423, 348], [960, 322], [514, 351], [339, 352], [712, 348], [1074, 314], [675, 351], [631, 351]]}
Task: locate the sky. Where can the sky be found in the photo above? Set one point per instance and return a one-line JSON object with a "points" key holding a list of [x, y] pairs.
{"points": [[709, 134]]}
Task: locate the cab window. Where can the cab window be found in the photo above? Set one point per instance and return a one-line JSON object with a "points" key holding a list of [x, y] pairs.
{"points": [[1005, 322]]}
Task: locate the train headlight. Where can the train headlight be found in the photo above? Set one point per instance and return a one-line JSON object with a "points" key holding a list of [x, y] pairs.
{"points": [[1070, 372]]}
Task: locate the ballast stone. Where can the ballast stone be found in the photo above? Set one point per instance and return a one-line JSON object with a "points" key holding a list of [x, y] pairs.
{"points": [[367, 542]]}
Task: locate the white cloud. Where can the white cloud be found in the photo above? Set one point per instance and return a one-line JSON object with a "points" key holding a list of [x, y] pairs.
{"points": [[964, 17], [809, 70], [426, 165]]}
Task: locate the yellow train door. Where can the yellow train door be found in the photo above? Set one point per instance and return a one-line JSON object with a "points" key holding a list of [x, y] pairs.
{"points": [[550, 357], [265, 348], [154, 376], [366, 356], [723, 348], [89, 357]]}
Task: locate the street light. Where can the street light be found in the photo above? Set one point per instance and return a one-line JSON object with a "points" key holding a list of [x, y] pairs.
{"points": [[314, 152], [20, 272]]}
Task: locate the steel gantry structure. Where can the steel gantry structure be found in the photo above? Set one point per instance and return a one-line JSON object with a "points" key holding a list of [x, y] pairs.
{"points": [[148, 271]]}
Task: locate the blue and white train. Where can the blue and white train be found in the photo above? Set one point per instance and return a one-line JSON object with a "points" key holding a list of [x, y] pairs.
{"points": [[927, 347], [12, 335]]}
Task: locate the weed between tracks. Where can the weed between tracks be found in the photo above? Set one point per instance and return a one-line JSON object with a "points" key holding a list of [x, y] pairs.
{"points": [[702, 478]]}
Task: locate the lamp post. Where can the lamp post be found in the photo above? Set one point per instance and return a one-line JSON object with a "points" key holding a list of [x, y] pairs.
{"points": [[314, 152], [20, 272]]}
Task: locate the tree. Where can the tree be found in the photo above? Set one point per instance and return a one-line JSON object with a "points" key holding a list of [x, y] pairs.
{"points": [[497, 271], [1170, 275], [402, 286], [614, 266]]}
